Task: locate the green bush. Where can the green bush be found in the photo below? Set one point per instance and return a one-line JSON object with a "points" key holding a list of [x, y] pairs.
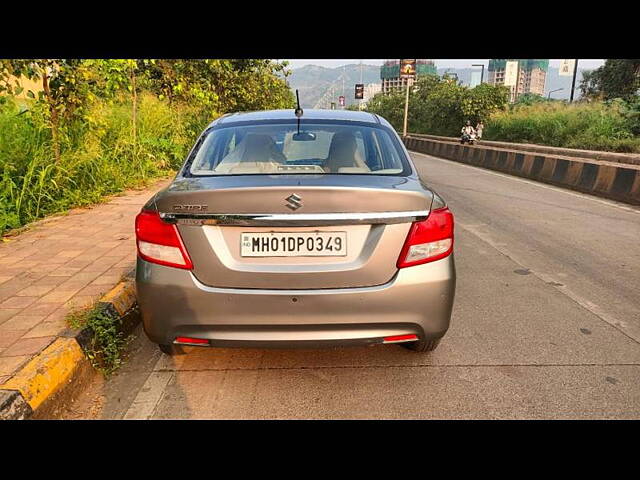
{"points": [[98, 156], [609, 126]]}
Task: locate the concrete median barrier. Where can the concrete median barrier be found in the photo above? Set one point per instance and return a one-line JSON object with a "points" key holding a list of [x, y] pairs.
{"points": [[614, 180], [615, 157]]}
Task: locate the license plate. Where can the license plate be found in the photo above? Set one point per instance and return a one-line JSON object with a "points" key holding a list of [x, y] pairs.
{"points": [[293, 244]]}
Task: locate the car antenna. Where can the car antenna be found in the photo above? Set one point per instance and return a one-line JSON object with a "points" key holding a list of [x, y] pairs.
{"points": [[298, 111]]}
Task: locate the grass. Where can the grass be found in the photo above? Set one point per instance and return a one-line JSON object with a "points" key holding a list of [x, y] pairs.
{"points": [[107, 343], [591, 126], [99, 157]]}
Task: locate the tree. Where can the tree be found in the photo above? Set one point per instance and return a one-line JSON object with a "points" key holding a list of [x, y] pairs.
{"points": [[617, 78], [442, 110], [221, 85], [211, 86], [390, 106], [590, 85], [67, 86], [483, 100], [119, 75]]}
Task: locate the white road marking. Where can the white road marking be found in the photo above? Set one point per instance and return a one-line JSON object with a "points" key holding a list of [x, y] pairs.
{"points": [[610, 203], [151, 393], [628, 330]]}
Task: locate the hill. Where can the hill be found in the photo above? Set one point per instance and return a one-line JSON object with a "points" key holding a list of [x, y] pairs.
{"points": [[313, 81]]}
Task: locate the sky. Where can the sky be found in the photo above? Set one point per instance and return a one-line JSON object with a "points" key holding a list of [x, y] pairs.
{"points": [[440, 63]]}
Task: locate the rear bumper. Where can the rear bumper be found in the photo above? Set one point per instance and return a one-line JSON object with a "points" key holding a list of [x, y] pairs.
{"points": [[174, 303]]}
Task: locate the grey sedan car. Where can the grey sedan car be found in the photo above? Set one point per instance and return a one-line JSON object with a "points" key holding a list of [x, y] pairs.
{"points": [[281, 231]]}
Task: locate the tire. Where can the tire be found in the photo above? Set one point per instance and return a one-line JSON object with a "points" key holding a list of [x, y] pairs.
{"points": [[171, 349], [422, 345]]}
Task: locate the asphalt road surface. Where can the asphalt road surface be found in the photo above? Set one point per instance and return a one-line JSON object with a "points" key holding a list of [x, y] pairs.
{"points": [[546, 324]]}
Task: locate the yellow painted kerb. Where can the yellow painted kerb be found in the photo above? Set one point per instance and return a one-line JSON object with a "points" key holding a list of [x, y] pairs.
{"points": [[46, 373], [122, 297]]}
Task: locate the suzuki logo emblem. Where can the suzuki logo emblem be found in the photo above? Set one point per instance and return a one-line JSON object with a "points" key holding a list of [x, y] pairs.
{"points": [[294, 202]]}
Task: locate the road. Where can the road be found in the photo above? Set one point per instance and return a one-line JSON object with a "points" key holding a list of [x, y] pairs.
{"points": [[546, 324]]}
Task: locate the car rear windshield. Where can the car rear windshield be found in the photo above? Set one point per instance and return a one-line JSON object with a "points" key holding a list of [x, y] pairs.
{"points": [[316, 149]]}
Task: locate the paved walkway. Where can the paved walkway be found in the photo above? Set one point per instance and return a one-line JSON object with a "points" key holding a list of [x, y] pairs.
{"points": [[61, 264]]}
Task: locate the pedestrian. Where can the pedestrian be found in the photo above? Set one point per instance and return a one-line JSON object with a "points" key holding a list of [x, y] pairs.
{"points": [[479, 128]]}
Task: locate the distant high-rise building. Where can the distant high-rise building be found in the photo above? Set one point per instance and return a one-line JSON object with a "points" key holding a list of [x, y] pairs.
{"points": [[531, 78], [390, 73]]}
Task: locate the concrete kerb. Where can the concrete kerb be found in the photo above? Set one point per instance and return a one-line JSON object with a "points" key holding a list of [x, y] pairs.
{"points": [[52, 374], [617, 181]]}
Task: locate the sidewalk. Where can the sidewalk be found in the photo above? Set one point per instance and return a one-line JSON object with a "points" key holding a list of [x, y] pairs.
{"points": [[60, 264]]}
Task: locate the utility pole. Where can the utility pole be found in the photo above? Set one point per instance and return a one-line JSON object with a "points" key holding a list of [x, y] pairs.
{"points": [[360, 100], [406, 109], [344, 73], [515, 93], [573, 83]]}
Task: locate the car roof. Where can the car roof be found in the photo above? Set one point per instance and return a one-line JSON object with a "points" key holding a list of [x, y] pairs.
{"points": [[309, 114]]}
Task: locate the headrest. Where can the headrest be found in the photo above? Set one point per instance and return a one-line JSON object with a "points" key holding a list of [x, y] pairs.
{"points": [[257, 148]]}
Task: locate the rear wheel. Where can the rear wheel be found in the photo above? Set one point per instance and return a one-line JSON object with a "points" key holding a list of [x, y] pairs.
{"points": [[422, 345], [171, 349]]}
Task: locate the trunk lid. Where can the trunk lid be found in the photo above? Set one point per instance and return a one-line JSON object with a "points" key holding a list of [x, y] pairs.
{"points": [[323, 203]]}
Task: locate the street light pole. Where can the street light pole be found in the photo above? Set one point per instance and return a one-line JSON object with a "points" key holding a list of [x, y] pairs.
{"points": [[481, 73], [556, 90]]}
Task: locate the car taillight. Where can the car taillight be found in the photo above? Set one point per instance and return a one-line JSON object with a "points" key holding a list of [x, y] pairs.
{"points": [[400, 338], [429, 240], [191, 341], [159, 242]]}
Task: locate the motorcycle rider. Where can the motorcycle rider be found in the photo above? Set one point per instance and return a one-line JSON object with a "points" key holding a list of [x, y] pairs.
{"points": [[468, 129], [468, 133]]}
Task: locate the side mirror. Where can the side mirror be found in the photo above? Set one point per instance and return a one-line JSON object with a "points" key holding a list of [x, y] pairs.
{"points": [[304, 137]]}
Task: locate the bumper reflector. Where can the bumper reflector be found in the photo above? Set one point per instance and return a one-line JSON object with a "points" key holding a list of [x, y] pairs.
{"points": [[191, 341], [400, 338]]}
